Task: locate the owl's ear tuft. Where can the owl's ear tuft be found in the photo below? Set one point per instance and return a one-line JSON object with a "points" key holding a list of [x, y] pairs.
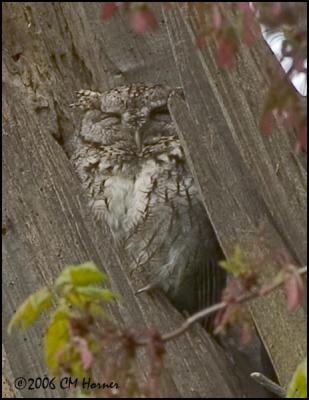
{"points": [[87, 100]]}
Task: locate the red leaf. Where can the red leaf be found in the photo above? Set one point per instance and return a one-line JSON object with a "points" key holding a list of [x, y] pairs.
{"points": [[250, 30], [276, 8], [216, 18], [143, 19], [265, 289], [267, 122], [248, 36], [108, 10], [225, 317], [85, 354], [246, 334], [294, 291], [225, 52], [302, 138], [232, 291], [291, 118], [301, 143], [200, 41], [244, 6]]}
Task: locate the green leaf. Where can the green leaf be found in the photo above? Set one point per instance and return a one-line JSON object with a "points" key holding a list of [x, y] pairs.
{"points": [[298, 385], [56, 337], [235, 264], [31, 309], [85, 294], [80, 275], [96, 309], [93, 293], [72, 297], [80, 394]]}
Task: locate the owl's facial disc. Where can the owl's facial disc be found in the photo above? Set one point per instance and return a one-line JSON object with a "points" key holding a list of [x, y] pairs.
{"points": [[131, 117]]}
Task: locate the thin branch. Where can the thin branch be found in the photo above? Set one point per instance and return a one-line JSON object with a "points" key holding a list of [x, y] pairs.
{"points": [[216, 307], [268, 384]]}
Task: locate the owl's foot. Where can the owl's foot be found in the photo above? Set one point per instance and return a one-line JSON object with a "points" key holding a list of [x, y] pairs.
{"points": [[87, 100], [146, 288]]}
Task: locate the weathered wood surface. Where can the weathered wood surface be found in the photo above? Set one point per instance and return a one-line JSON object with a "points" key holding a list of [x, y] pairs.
{"points": [[252, 185], [51, 50]]}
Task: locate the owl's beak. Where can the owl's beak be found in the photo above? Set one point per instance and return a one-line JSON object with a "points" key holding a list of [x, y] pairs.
{"points": [[138, 140]]}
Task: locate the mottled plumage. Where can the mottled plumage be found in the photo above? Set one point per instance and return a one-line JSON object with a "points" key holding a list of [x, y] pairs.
{"points": [[131, 163]]}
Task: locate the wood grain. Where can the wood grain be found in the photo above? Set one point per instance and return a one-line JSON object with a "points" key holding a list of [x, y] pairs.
{"points": [[51, 50], [246, 196]]}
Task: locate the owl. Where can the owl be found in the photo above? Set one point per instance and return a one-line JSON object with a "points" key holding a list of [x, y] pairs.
{"points": [[132, 166]]}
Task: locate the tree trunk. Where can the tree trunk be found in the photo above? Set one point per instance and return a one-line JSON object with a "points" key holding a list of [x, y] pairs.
{"points": [[50, 51], [253, 186]]}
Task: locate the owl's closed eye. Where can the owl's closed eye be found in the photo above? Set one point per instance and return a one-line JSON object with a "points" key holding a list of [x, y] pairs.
{"points": [[111, 119]]}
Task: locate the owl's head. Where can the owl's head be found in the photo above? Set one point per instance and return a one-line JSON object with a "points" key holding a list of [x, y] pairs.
{"points": [[133, 115]]}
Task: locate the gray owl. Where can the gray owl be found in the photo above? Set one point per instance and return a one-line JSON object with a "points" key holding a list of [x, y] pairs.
{"points": [[132, 166]]}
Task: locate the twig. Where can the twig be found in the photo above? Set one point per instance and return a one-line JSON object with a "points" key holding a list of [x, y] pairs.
{"points": [[216, 307], [268, 384]]}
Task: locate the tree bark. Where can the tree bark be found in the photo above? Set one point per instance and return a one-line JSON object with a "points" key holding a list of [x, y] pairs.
{"points": [[253, 186], [50, 51]]}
